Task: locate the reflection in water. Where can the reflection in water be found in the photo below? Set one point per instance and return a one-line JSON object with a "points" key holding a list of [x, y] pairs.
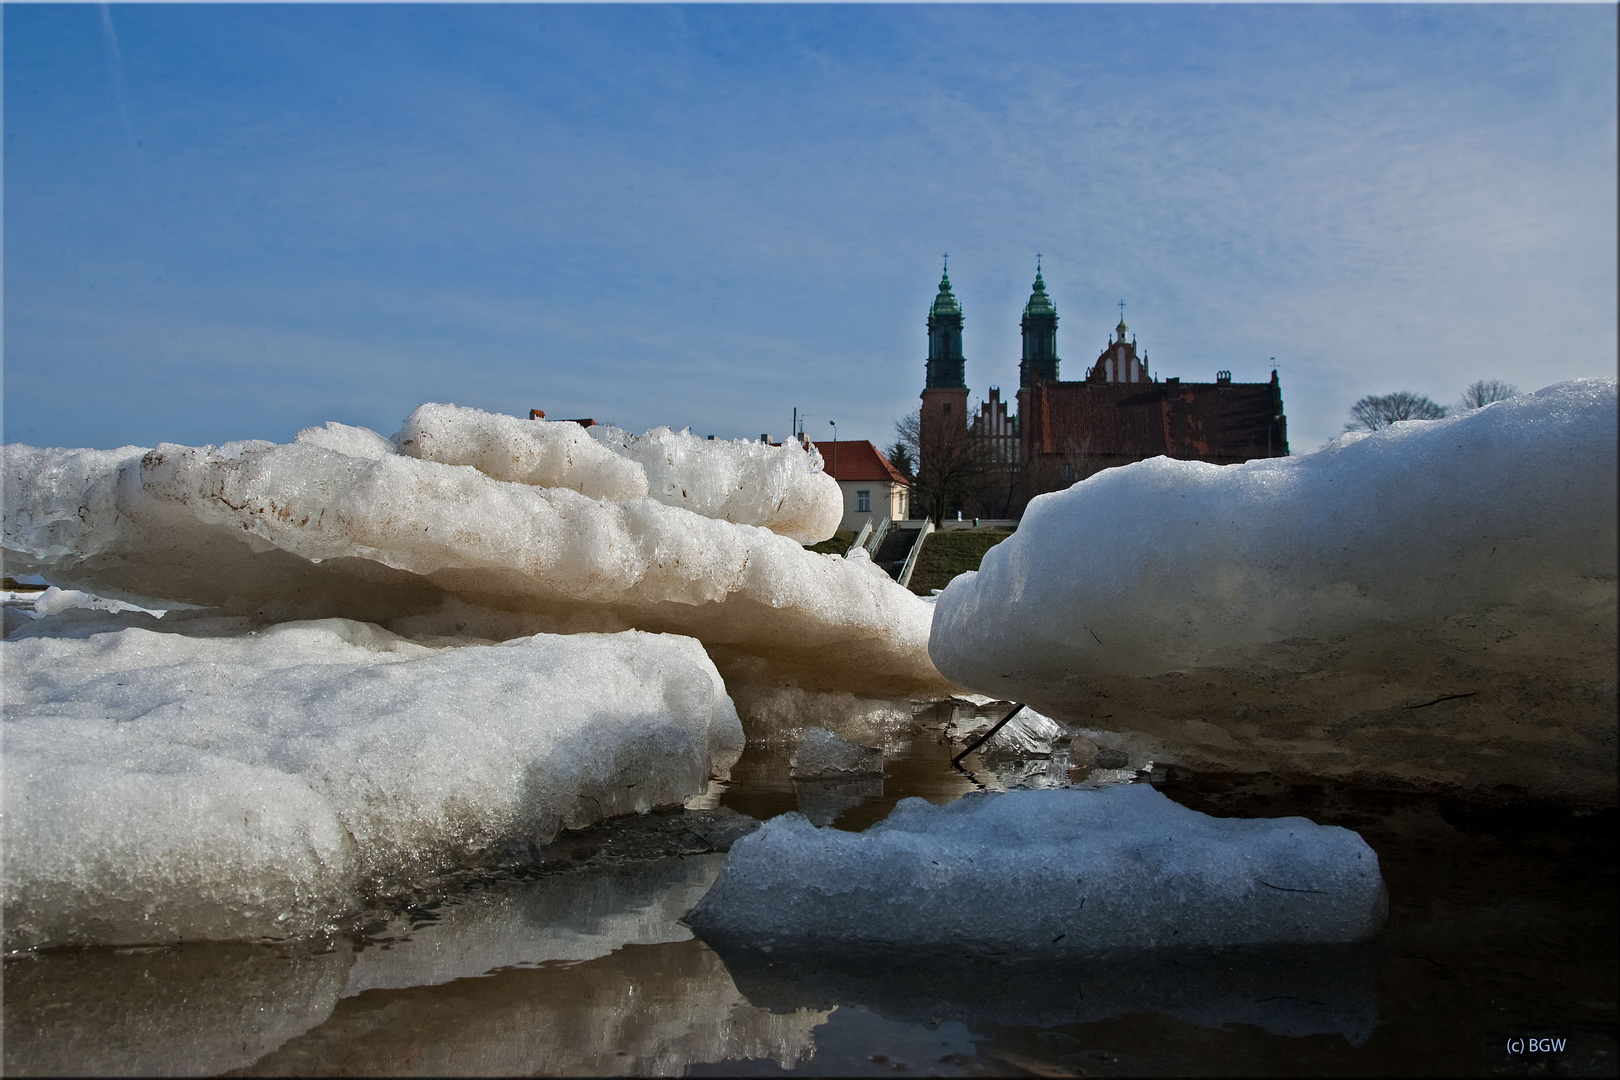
{"points": [[1292, 991], [823, 800], [188, 1010], [592, 971], [574, 916], [1497, 926], [645, 1009], [845, 1046], [916, 763]]}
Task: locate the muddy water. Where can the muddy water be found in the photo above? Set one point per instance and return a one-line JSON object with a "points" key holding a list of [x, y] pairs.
{"points": [[1502, 927]]}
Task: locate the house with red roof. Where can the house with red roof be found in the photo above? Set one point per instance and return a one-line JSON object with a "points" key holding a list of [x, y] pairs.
{"points": [[872, 487]]}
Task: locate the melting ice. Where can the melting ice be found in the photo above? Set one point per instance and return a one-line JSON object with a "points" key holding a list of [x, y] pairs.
{"points": [[1119, 867], [1431, 603]]}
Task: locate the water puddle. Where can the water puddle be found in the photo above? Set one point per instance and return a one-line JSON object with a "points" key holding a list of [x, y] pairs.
{"points": [[1502, 926]]}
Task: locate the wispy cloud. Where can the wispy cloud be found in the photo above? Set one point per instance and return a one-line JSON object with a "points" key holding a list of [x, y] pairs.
{"points": [[115, 62], [708, 215]]}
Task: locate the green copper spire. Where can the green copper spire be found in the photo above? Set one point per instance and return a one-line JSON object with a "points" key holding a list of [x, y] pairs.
{"points": [[946, 367], [945, 303], [1039, 302], [1039, 326]]}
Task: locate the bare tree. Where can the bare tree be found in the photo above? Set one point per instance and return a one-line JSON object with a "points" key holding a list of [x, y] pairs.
{"points": [[1381, 410], [951, 464], [1482, 392]]}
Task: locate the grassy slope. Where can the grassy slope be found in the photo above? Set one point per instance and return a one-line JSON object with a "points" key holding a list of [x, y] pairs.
{"points": [[837, 545], [946, 554]]}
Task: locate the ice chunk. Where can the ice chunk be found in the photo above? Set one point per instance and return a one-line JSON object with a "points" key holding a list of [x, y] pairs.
{"points": [[302, 531], [161, 786], [862, 559], [537, 452], [1120, 867], [775, 715], [781, 488], [1431, 603], [54, 601], [821, 754], [61, 503], [1027, 734], [15, 619], [350, 441]]}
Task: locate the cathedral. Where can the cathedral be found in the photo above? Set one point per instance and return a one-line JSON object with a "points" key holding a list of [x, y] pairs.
{"points": [[991, 464]]}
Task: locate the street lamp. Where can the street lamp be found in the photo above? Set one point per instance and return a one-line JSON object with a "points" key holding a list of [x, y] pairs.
{"points": [[834, 424]]}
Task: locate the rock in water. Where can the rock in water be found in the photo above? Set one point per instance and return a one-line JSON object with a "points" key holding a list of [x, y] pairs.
{"points": [[1431, 604], [1121, 867]]}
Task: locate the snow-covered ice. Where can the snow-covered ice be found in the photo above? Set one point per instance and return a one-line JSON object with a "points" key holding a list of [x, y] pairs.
{"points": [[1120, 867], [337, 524], [781, 488], [216, 784], [1431, 603], [540, 453]]}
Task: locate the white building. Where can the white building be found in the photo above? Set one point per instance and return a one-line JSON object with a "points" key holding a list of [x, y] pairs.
{"points": [[872, 487]]}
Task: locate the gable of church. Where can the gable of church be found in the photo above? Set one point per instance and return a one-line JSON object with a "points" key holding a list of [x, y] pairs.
{"points": [[1118, 413]]}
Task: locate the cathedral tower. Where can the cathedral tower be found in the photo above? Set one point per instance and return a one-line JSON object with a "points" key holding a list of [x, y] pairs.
{"points": [[943, 421], [1039, 324], [946, 365]]}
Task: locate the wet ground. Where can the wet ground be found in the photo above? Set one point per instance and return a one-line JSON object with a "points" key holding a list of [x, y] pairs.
{"points": [[1502, 932]]}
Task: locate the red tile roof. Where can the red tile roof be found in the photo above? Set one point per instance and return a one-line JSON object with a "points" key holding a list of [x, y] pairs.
{"points": [[858, 459]]}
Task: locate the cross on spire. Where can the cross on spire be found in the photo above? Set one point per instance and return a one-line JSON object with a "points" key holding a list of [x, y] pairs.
{"points": [[1122, 311]]}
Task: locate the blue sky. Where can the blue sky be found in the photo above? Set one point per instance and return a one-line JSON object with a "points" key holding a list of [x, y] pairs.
{"points": [[235, 221]]}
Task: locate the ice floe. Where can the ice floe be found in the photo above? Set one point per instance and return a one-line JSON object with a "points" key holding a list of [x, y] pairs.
{"points": [[220, 784], [781, 488], [1433, 603], [540, 453], [335, 524], [1033, 871]]}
